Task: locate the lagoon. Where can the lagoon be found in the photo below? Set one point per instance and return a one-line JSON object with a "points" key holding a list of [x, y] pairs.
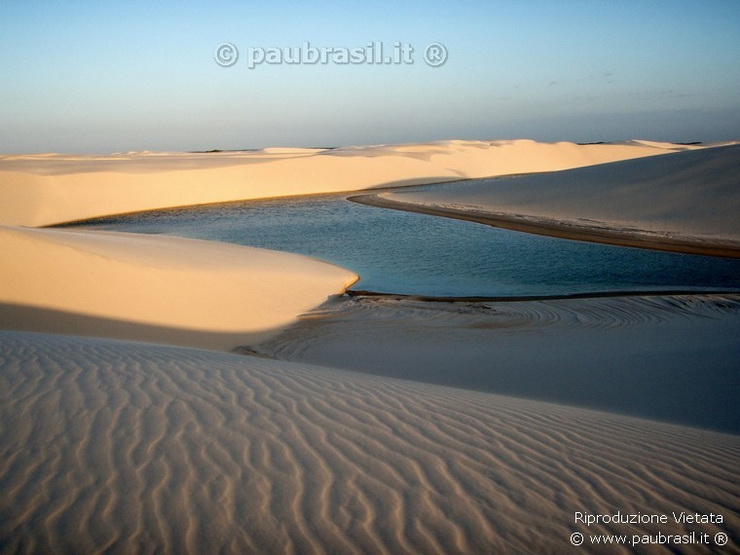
{"points": [[417, 254]]}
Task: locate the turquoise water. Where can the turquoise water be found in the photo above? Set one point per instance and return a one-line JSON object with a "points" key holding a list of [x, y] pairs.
{"points": [[403, 252]]}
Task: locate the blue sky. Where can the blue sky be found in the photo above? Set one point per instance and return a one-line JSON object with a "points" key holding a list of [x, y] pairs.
{"points": [[105, 76]]}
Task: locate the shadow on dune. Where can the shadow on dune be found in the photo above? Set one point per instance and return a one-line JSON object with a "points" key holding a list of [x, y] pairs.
{"points": [[672, 359], [43, 320]]}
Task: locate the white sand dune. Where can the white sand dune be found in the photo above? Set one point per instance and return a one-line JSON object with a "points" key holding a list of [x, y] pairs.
{"points": [[155, 288], [691, 197], [672, 358], [47, 189], [125, 447], [118, 447]]}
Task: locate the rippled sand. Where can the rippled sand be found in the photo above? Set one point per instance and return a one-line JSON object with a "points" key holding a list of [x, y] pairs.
{"points": [[123, 447], [672, 357]]}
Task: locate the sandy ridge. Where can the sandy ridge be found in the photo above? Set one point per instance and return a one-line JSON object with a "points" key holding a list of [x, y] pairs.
{"points": [[684, 202]]}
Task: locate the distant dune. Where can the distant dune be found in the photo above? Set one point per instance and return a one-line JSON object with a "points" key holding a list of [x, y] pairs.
{"points": [[45, 189], [686, 200]]}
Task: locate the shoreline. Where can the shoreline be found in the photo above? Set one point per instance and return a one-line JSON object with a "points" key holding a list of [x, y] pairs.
{"points": [[560, 230], [359, 293]]}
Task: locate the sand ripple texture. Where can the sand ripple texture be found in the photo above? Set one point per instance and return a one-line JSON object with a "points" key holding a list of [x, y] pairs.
{"points": [[122, 447], [672, 358]]}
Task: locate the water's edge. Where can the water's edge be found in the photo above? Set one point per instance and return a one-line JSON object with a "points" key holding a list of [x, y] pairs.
{"points": [[561, 230]]}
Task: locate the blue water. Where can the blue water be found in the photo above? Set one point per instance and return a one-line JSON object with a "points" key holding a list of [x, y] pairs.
{"points": [[403, 252]]}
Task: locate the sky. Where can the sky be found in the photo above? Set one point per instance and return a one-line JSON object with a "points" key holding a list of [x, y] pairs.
{"points": [[99, 77]]}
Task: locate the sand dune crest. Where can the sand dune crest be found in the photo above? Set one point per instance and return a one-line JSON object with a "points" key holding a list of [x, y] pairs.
{"points": [[179, 284]]}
